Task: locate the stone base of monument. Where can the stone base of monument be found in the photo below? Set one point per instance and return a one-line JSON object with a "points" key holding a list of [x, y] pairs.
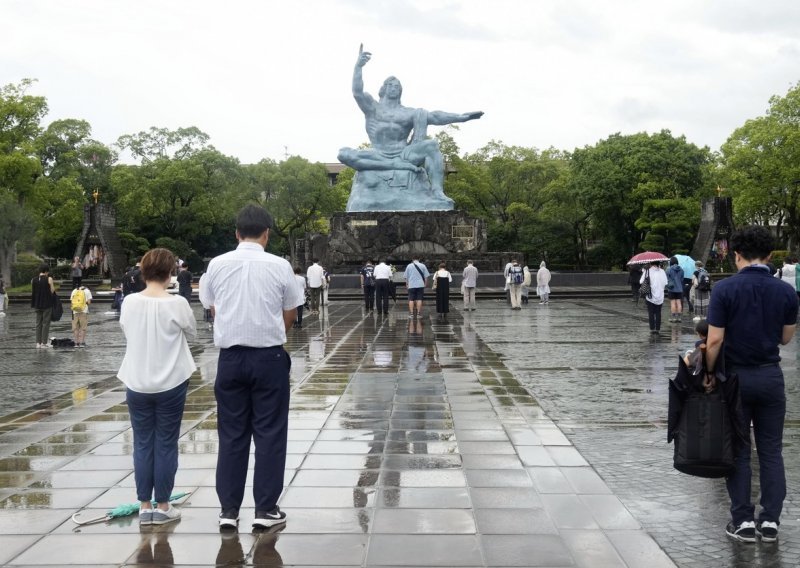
{"points": [[398, 236]]}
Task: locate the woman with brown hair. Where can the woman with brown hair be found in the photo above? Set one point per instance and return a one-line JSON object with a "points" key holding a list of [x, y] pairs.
{"points": [[156, 371]]}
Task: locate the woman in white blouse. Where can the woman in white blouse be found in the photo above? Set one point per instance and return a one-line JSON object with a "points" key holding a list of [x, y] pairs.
{"points": [[156, 371], [441, 282]]}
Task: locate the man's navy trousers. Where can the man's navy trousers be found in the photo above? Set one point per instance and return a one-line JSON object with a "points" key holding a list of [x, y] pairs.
{"points": [[252, 390]]}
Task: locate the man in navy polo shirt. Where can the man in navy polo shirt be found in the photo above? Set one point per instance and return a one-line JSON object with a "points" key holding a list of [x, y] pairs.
{"points": [[753, 313]]}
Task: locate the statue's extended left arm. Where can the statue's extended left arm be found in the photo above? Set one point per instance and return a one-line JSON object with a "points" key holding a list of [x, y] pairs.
{"points": [[439, 117]]}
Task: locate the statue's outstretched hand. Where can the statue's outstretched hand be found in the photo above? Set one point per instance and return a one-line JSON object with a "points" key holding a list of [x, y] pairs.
{"points": [[474, 115], [363, 56]]}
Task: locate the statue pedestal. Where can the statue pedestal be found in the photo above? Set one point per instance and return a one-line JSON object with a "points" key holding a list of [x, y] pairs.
{"points": [[398, 236]]}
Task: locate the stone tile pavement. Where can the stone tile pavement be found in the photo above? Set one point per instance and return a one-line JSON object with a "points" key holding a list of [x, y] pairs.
{"points": [[494, 438]]}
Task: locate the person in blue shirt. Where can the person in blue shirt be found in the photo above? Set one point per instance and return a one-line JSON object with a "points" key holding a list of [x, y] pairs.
{"points": [[415, 275], [675, 290], [754, 313]]}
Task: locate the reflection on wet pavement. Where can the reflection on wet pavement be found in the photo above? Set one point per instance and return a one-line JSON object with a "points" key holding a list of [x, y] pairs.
{"points": [[411, 442]]}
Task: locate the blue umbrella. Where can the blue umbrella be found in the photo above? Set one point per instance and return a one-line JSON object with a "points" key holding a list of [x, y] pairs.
{"points": [[687, 264]]}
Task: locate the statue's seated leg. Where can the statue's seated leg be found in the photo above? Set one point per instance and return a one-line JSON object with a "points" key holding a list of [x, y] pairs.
{"points": [[371, 160], [427, 152]]}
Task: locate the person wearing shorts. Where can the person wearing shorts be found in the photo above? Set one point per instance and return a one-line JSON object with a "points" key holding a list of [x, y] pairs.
{"points": [[80, 316], [416, 274]]}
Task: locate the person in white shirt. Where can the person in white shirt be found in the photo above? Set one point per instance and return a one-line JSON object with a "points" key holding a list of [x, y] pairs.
{"points": [[301, 285], [156, 370], [468, 283], [79, 299], [383, 275], [254, 297], [658, 282], [316, 282]]}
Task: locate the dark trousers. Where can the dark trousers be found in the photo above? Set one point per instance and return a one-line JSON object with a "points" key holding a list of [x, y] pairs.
{"points": [[369, 296], [252, 390], [393, 290], [654, 315], [299, 321], [43, 324], [763, 402], [156, 421], [382, 295], [186, 293], [315, 295], [687, 286]]}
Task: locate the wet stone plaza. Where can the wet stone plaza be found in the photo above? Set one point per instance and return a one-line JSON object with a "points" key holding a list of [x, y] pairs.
{"points": [[492, 438]]}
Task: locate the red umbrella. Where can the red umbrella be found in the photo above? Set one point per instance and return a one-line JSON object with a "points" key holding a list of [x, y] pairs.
{"points": [[647, 257]]}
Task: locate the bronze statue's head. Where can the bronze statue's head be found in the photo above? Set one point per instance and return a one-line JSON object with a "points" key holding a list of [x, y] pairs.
{"points": [[391, 87]]}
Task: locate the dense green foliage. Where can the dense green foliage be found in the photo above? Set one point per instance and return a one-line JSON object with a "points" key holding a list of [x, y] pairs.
{"points": [[589, 208]]}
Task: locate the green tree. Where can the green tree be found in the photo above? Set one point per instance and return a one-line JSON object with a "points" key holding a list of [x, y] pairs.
{"points": [[183, 189], [74, 166], [668, 225], [761, 166], [618, 175], [299, 197], [20, 117], [513, 189]]}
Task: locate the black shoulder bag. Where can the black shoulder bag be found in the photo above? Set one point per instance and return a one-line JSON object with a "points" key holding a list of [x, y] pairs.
{"points": [[645, 289]]}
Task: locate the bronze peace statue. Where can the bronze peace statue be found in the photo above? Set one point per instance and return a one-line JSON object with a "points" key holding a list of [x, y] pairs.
{"points": [[402, 171]]}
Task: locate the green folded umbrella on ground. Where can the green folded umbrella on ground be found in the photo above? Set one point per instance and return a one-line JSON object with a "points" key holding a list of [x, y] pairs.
{"points": [[123, 510]]}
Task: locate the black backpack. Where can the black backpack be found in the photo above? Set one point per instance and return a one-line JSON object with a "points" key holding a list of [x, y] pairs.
{"points": [[703, 280], [58, 308], [517, 275]]}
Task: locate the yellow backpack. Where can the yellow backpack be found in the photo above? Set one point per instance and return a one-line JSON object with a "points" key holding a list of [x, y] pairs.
{"points": [[78, 300]]}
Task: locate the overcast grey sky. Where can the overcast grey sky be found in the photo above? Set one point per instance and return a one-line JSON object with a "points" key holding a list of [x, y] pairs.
{"points": [[259, 76]]}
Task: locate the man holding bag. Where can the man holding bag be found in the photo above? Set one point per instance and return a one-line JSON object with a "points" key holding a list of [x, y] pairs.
{"points": [[754, 313]]}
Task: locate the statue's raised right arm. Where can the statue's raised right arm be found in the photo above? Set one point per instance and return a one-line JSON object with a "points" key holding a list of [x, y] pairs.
{"points": [[364, 100]]}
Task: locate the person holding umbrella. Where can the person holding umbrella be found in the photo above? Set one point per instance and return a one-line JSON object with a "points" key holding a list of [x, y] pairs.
{"points": [[658, 281]]}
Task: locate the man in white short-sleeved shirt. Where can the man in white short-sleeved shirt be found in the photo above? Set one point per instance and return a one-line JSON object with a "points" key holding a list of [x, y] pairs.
{"points": [[253, 295]]}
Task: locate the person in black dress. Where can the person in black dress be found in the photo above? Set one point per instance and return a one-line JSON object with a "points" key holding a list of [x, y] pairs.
{"points": [[441, 281]]}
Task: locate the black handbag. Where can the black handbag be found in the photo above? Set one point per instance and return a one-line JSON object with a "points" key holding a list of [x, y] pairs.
{"points": [[706, 427], [58, 308], [645, 290], [705, 437]]}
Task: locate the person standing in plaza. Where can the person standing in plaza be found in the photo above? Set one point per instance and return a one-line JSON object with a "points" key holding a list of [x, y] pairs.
{"points": [[634, 276], [42, 290], [302, 285], [383, 275], [515, 280], [76, 272], [701, 290], [654, 301], [415, 275], [3, 298], [543, 278], [469, 281], [753, 314], [185, 282], [132, 281], [79, 300], [367, 276], [326, 285], [675, 290], [507, 287], [441, 282], [156, 370], [254, 297], [316, 281]]}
